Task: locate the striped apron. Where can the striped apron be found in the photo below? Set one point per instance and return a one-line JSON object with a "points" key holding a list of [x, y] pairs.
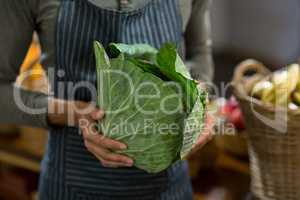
{"points": [[69, 171]]}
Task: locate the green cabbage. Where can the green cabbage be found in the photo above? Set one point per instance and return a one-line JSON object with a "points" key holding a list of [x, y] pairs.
{"points": [[151, 102]]}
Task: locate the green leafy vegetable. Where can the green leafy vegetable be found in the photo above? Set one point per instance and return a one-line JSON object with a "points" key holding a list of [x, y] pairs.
{"points": [[148, 67], [143, 51], [144, 105], [172, 66]]}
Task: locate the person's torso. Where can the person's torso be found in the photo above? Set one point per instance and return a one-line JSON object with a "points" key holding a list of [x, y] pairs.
{"points": [[47, 12], [70, 170]]}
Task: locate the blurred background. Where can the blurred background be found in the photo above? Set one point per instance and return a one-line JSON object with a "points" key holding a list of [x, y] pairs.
{"points": [[267, 30]]}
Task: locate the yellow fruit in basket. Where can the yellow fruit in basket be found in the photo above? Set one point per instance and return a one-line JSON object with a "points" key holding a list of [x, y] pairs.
{"points": [[298, 86], [252, 81], [282, 98], [287, 79], [262, 87], [293, 77], [296, 97], [283, 89], [268, 95], [285, 82], [280, 77], [282, 95]]}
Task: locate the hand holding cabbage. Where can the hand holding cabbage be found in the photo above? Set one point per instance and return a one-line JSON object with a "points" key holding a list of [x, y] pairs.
{"points": [[151, 103]]}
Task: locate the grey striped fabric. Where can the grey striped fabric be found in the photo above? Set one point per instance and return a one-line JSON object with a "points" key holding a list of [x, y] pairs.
{"points": [[69, 171]]}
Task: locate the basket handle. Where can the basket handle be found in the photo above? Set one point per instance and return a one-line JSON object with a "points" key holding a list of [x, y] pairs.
{"points": [[249, 65]]}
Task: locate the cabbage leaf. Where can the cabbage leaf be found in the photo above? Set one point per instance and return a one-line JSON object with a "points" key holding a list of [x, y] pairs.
{"points": [[143, 109]]}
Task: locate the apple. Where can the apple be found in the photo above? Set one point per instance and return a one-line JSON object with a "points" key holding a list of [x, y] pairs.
{"points": [[236, 118], [229, 106], [231, 111]]}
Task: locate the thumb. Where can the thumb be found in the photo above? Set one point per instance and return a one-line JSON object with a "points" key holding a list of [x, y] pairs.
{"points": [[97, 114]]}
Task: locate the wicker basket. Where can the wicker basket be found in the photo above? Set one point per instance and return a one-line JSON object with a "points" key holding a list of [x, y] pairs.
{"points": [[274, 155]]}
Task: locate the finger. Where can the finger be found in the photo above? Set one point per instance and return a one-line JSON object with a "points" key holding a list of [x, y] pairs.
{"points": [[93, 136], [208, 131], [205, 136], [110, 144], [107, 155], [92, 149], [97, 114], [203, 139], [86, 126], [104, 141], [210, 122], [111, 164], [106, 163], [113, 157], [89, 133]]}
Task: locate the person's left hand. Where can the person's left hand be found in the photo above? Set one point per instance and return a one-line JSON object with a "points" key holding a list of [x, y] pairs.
{"points": [[206, 135]]}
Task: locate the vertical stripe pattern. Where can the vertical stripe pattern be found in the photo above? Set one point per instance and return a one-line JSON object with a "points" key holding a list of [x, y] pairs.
{"points": [[70, 172]]}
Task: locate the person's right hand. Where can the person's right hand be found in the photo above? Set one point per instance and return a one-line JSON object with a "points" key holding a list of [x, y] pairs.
{"points": [[85, 116]]}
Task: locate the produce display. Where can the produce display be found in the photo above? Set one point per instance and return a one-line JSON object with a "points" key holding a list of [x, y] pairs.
{"points": [[151, 103], [233, 114], [281, 89]]}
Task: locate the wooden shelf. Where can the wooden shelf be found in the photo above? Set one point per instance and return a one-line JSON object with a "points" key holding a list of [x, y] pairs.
{"points": [[226, 161], [17, 160], [24, 151]]}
